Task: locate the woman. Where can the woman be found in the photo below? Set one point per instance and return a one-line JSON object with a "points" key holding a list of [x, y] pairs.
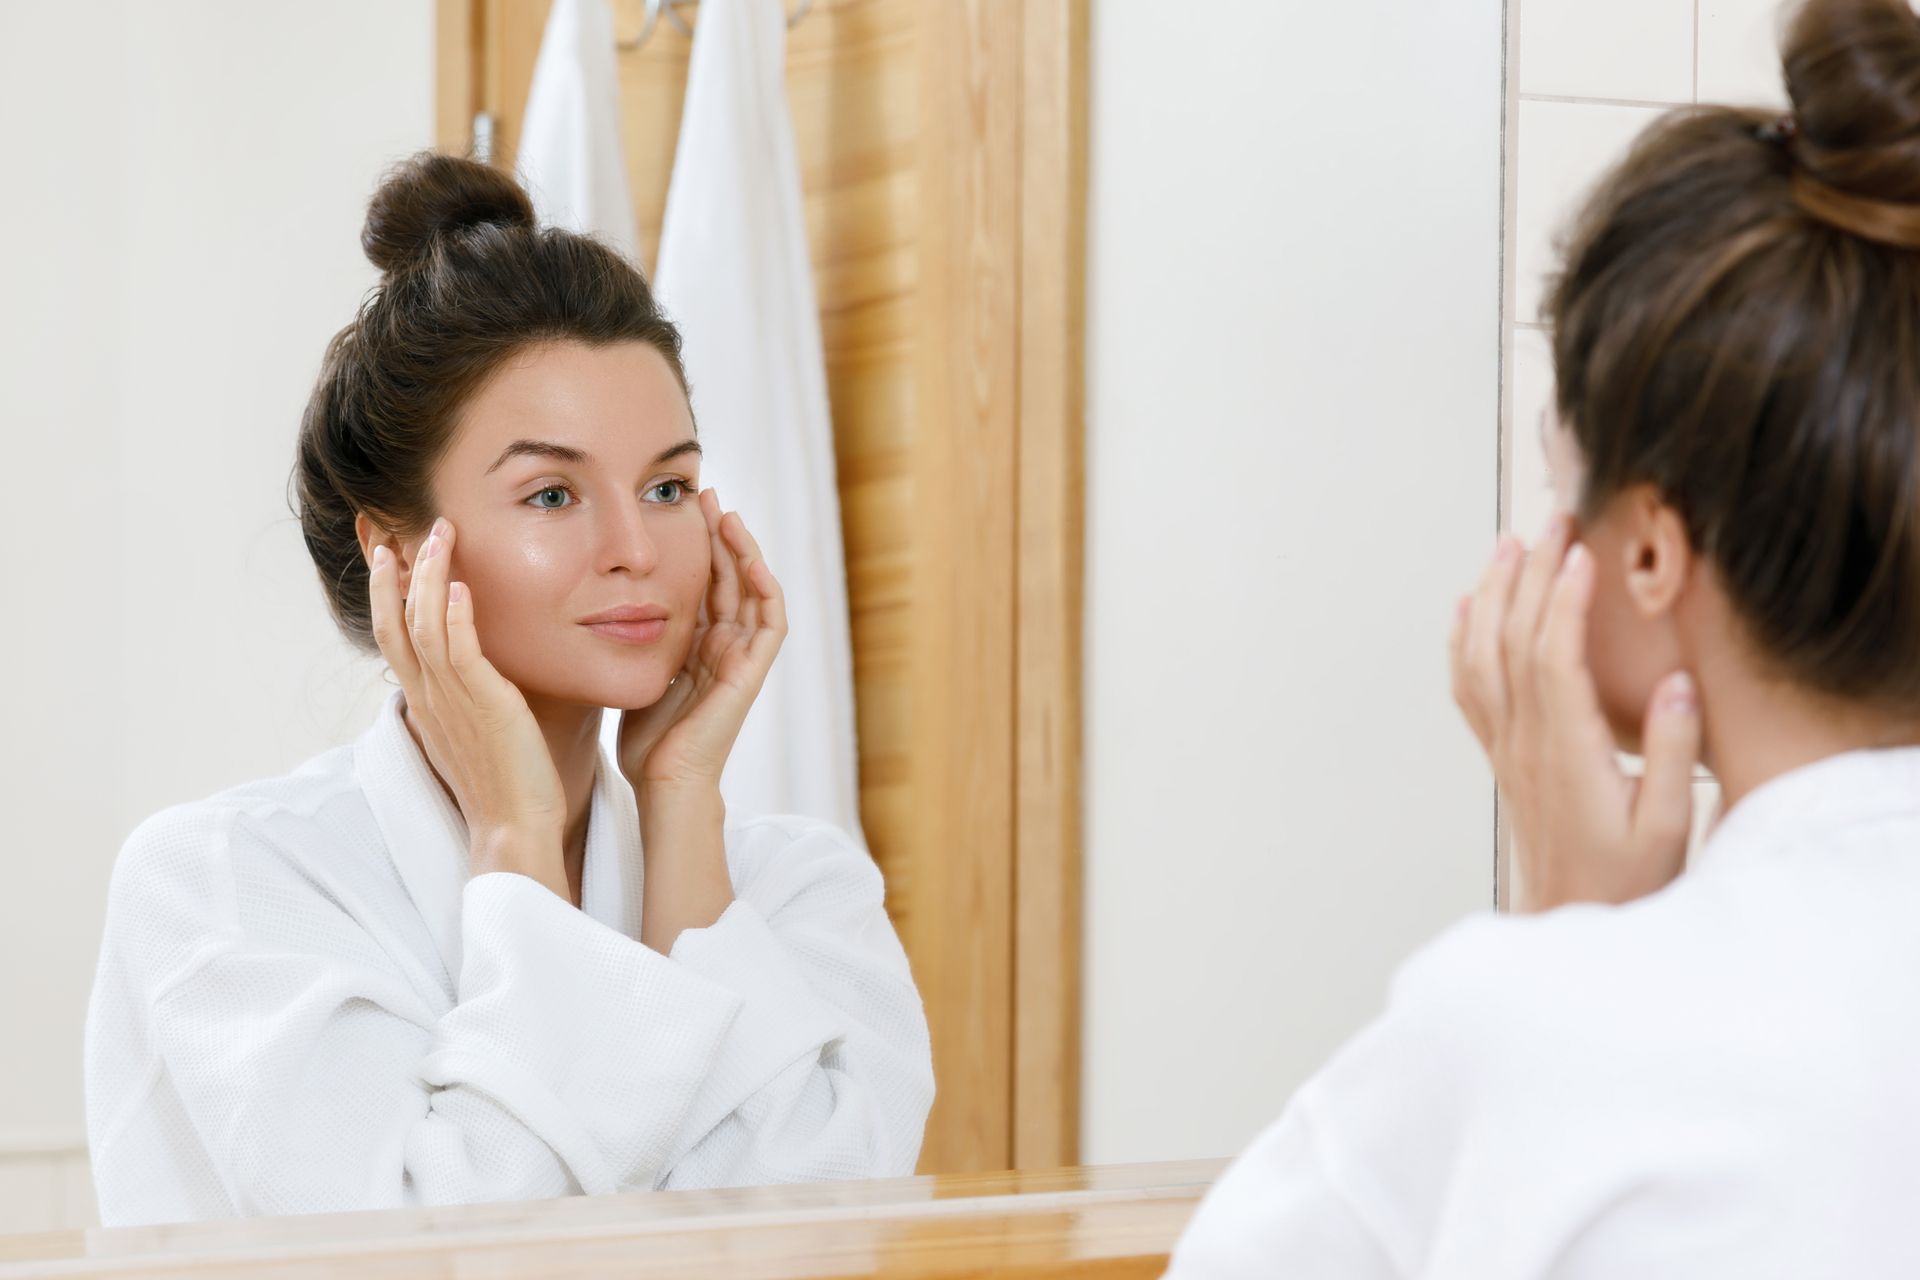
{"points": [[470, 957], [1714, 1073]]}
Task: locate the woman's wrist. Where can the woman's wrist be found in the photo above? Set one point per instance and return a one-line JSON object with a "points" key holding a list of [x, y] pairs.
{"points": [[531, 852], [664, 804], [684, 848], [680, 818]]}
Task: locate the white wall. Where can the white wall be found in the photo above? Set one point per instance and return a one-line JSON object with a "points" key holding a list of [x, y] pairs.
{"points": [[1293, 355], [180, 213]]}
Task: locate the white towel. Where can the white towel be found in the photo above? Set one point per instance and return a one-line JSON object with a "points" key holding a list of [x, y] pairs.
{"points": [[571, 159], [734, 274]]}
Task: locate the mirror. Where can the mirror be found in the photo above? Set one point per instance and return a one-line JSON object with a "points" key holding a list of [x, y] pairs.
{"points": [[1164, 354]]}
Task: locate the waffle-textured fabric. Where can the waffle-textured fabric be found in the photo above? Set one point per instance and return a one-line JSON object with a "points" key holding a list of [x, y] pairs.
{"points": [[305, 1004], [1721, 1079]]}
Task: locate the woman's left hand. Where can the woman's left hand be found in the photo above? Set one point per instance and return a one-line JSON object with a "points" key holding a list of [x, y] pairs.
{"points": [[683, 740], [1582, 830]]}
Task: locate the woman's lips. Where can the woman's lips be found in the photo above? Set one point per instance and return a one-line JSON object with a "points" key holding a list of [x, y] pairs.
{"points": [[630, 632]]}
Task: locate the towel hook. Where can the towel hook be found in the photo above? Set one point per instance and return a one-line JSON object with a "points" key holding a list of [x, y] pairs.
{"points": [[672, 10]]}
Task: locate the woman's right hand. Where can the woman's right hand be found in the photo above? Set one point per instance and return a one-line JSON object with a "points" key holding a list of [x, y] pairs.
{"points": [[474, 723], [1582, 830]]}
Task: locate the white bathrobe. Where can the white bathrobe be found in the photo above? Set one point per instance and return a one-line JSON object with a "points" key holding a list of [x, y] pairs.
{"points": [[1720, 1080], [305, 1004]]}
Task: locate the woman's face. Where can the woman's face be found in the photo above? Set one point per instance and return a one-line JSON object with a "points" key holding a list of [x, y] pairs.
{"points": [[1628, 651], [572, 483]]}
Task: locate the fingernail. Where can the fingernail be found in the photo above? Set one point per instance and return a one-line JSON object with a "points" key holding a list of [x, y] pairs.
{"points": [[1507, 549], [440, 527], [432, 548], [1577, 557], [1679, 697], [381, 555], [456, 593]]}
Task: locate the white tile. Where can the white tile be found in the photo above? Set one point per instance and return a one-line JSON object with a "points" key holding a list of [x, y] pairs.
{"points": [[29, 1193], [1563, 148], [77, 1203], [1740, 52], [1528, 499], [1636, 49]]}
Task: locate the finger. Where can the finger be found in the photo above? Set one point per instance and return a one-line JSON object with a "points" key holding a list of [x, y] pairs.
{"points": [[388, 613], [773, 611], [723, 593], [464, 658], [1670, 744], [1560, 656], [1486, 672], [1457, 668], [766, 641], [427, 600], [746, 554], [1530, 593]]}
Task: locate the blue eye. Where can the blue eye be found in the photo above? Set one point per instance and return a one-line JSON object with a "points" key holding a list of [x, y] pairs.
{"points": [[558, 488], [675, 490]]}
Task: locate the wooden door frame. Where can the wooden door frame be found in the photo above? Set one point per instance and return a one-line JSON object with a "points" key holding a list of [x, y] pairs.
{"points": [[994, 930]]}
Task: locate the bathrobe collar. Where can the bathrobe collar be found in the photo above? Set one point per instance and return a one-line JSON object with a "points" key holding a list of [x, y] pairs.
{"points": [[1801, 808], [427, 837]]}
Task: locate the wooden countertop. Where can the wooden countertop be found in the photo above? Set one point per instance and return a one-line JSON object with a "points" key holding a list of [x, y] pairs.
{"points": [[1114, 1220]]}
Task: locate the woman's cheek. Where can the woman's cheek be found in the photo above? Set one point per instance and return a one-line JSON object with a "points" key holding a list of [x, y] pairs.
{"points": [[519, 595], [1614, 646], [693, 561]]}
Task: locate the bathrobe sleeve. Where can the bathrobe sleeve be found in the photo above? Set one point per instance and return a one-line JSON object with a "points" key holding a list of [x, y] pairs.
{"points": [[1277, 1212], [784, 1041]]}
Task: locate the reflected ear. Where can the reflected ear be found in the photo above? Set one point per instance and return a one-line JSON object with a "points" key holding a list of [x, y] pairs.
{"points": [[1657, 553], [370, 535]]}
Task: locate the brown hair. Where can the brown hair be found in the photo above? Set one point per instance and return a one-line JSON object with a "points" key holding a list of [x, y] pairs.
{"points": [[468, 280], [1737, 324]]}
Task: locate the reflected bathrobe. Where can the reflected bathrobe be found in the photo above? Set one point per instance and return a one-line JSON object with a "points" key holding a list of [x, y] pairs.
{"points": [[1721, 1079], [304, 1004]]}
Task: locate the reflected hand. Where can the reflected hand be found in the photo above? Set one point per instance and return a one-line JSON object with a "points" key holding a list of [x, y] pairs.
{"points": [[684, 739], [477, 730]]}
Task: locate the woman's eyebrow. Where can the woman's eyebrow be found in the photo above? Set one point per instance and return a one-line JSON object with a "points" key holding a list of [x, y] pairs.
{"points": [[578, 457], [540, 449]]}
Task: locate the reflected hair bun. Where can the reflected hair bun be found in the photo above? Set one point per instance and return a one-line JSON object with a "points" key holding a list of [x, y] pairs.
{"points": [[433, 196]]}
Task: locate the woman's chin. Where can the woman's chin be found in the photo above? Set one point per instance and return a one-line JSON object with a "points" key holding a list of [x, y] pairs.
{"points": [[628, 692], [641, 686]]}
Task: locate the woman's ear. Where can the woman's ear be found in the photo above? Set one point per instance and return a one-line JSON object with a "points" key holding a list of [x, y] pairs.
{"points": [[1657, 555], [371, 535]]}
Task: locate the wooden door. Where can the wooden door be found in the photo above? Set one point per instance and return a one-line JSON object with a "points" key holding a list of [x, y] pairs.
{"points": [[942, 152]]}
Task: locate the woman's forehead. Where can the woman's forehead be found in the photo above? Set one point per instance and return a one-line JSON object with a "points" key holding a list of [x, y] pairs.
{"points": [[618, 404]]}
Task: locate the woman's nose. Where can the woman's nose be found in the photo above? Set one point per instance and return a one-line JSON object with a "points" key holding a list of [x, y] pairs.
{"points": [[625, 541]]}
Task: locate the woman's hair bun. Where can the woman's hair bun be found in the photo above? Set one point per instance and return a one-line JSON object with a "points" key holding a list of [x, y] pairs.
{"points": [[433, 194], [1853, 72]]}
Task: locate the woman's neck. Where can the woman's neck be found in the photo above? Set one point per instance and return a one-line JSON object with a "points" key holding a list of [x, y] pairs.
{"points": [[573, 737], [573, 740], [1759, 726]]}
